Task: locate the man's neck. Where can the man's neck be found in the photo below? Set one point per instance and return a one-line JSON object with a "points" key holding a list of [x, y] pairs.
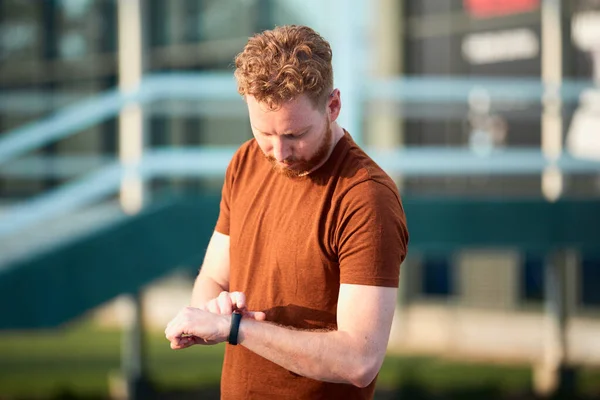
{"points": [[337, 134]]}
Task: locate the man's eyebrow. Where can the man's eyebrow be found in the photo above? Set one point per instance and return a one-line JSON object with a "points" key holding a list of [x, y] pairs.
{"points": [[258, 130], [301, 130], [287, 133]]}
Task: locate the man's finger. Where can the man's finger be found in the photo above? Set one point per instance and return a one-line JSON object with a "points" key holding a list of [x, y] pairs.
{"points": [[169, 325], [225, 303], [213, 307], [239, 300], [176, 345], [169, 331], [257, 315], [182, 342]]}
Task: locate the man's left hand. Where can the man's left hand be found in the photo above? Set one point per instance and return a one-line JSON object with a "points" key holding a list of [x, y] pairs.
{"points": [[195, 326]]}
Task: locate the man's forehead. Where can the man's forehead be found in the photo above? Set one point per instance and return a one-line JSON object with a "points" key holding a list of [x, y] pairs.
{"points": [[290, 116], [301, 102]]}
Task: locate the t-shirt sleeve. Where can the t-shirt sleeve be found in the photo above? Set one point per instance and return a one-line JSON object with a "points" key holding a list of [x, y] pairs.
{"points": [[372, 236], [222, 225]]}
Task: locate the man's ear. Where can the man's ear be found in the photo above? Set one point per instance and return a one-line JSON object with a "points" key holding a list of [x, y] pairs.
{"points": [[334, 105]]}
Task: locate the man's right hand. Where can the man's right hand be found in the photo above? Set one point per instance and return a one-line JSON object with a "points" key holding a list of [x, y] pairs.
{"points": [[227, 303]]}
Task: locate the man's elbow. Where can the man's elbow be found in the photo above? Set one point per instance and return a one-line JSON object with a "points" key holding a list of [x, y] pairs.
{"points": [[366, 372]]}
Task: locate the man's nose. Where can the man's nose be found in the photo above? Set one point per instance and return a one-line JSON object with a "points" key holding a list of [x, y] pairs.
{"points": [[281, 149]]}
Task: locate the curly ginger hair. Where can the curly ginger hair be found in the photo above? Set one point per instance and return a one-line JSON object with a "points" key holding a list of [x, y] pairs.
{"points": [[280, 64]]}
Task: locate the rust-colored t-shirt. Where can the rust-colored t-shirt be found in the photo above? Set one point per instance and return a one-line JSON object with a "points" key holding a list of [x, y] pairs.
{"points": [[293, 242]]}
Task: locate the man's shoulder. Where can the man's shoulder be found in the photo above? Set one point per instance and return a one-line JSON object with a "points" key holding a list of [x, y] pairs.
{"points": [[246, 153], [359, 169], [247, 148]]}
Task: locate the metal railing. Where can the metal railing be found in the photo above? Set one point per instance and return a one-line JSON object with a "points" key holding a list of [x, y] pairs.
{"points": [[419, 161]]}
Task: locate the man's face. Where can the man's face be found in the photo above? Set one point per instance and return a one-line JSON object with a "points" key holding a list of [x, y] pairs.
{"points": [[295, 138]]}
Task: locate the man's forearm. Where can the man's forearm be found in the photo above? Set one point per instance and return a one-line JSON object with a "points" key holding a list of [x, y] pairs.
{"points": [[330, 356], [352, 354], [205, 289]]}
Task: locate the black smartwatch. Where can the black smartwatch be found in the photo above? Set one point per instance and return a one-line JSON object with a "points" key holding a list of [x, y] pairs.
{"points": [[236, 317]]}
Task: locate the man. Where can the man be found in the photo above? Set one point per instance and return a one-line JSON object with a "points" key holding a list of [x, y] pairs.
{"points": [[308, 244]]}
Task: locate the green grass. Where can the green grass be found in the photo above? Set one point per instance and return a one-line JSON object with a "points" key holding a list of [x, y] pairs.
{"points": [[80, 358], [439, 374]]}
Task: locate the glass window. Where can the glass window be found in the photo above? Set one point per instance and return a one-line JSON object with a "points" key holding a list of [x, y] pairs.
{"points": [[20, 31], [532, 278], [437, 276], [590, 281]]}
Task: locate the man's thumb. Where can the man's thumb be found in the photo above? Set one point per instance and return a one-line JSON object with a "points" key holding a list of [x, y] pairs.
{"points": [[257, 315]]}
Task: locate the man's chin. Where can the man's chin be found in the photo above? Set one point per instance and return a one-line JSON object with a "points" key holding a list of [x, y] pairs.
{"points": [[290, 171]]}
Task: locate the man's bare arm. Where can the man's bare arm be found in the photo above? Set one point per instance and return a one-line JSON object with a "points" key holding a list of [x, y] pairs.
{"points": [[352, 354], [214, 273]]}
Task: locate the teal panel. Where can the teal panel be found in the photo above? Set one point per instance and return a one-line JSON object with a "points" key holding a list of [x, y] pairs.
{"points": [[62, 284], [530, 224], [56, 287]]}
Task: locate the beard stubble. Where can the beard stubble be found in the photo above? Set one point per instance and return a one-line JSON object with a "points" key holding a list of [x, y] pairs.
{"points": [[302, 167]]}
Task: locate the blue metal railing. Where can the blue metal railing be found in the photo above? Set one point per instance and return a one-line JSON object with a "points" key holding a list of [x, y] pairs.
{"points": [[221, 86], [210, 162], [75, 118]]}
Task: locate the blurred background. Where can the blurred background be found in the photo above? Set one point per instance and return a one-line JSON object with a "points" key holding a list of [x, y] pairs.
{"points": [[117, 121]]}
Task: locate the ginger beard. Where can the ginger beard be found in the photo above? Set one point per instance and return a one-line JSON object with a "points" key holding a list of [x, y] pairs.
{"points": [[299, 167]]}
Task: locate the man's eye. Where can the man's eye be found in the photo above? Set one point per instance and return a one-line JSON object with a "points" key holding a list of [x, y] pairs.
{"points": [[299, 135]]}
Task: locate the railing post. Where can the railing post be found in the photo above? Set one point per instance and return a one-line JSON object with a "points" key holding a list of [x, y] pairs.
{"points": [[552, 74], [132, 352], [131, 122], [554, 375], [348, 41]]}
